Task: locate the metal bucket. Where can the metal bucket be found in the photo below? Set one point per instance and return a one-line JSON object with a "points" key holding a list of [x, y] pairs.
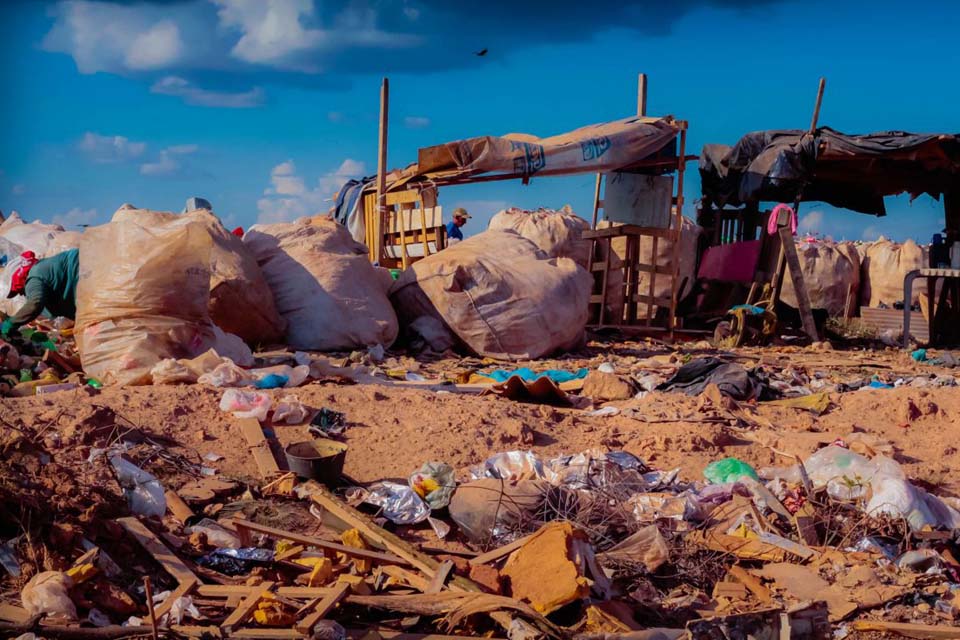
{"points": [[320, 459]]}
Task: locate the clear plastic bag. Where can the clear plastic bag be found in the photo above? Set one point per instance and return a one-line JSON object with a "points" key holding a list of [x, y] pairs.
{"points": [[246, 404], [289, 410], [144, 492], [46, 594]]}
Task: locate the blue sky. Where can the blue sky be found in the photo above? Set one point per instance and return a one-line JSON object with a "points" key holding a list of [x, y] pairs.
{"points": [[265, 106]]}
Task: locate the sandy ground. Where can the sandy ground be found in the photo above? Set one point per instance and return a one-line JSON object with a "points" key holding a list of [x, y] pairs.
{"points": [[392, 430]]}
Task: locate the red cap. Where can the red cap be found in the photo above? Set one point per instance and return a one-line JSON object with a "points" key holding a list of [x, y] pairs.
{"points": [[19, 278], [238, 232]]}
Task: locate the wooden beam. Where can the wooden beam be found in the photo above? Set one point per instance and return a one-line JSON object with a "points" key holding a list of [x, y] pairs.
{"points": [[597, 203], [259, 447], [642, 95], [324, 607], [816, 106], [167, 559], [280, 534], [799, 284], [184, 589], [381, 170], [933, 632]]}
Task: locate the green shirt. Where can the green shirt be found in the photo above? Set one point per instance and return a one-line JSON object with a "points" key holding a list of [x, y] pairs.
{"points": [[51, 285]]}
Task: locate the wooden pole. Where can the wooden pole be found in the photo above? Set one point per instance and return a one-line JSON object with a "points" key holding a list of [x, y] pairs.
{"points": [[148, 589], [816, 107], [642, 95], [596, 201], [381, 170]]}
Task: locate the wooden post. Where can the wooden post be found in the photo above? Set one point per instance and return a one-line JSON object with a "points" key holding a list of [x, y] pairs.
{"points": [[816, 107], [596, 201], [678, 221], [148, 590], [381, 171], [642, 95]]}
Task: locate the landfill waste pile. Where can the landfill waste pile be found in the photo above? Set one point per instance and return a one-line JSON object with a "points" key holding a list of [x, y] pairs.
{"points": [[130, 511], [453, 453]]}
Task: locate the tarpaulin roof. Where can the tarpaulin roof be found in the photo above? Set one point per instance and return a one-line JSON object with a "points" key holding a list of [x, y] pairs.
{"points": [[849, 171], [621, 144]]}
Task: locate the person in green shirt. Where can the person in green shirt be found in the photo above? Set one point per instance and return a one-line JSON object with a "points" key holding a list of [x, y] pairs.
{"points": [[49, 284]]}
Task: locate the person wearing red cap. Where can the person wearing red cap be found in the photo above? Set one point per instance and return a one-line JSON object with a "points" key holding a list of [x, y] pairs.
{"points": [[49, 284]]}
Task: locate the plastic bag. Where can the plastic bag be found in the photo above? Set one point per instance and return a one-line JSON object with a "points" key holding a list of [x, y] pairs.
{"points": [[144, 492], [893, 495], [246, 404], [295, 376], [435, 483], [399, 502], [728, 470], [217, 535], [647, 547], [513, 466], [289, 410], [227, 374], [46, 594]]}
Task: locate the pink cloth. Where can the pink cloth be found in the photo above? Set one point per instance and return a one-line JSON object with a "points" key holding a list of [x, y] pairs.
{"points": [[772, 221]]}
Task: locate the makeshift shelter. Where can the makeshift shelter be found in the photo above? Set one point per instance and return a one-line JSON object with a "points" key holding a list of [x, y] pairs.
{"points": [[403, 221], [849, 171]]}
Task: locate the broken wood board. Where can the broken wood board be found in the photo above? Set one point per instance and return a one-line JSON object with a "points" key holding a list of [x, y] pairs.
{"points": [[751, 583], [440, 577], [280, 534], [259, 447], [246, 607], [920, 631], [163, 555], [183, 590], [13, 613]]}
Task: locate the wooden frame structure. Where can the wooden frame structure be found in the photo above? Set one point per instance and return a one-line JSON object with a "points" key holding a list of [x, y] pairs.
{"points": [[397, 220], [602, 264]]}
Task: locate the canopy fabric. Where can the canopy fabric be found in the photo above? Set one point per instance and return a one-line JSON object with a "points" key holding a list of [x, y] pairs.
{"points": [[848, 171], [617, 145]]}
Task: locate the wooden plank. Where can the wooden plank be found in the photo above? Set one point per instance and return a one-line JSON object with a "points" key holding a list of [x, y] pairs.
{"points": [[410, 196], [392, 634], [923, 631], [259, 447], [323, 608], [440, 577], [500, 552], [246, 607], [596, 201], [377, 234], [280, 534], [626, 230], [195, 631], [660, 302], [13, 613], [799, 284], [163, 555]]}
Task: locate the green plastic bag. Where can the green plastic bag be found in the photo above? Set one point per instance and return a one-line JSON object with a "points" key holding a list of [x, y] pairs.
{"points": [[728, 470]]}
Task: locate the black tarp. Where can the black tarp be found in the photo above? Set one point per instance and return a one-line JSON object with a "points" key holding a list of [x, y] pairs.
{"points": [[848, 171]]}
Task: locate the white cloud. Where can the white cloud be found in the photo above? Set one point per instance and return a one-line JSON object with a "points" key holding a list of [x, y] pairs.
{"points": [[336, 116], [412, 13], [416, 122], [272, 29], [156, 48], [75, 217], [18, 189], [811, 222], [167, 162], [107, 36], [193, 95], [870, 233], [107, 149], [289, 198]]}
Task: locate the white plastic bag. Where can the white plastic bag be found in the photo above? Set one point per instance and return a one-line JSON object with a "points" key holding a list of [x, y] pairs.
{"points": [[227, 374], [46, 594], [290, 411], [217, 535], [144, 492], [246, 404]]}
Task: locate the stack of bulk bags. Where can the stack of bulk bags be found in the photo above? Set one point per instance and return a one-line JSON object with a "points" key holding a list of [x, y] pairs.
{"points": [[830, 271], [556, 233]]}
